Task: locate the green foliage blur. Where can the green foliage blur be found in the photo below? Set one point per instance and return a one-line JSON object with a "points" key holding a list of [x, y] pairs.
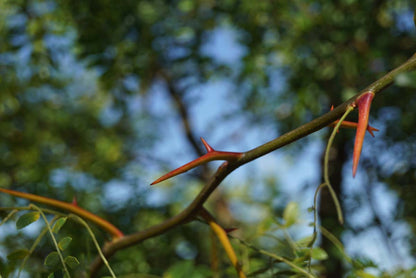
{"points": [[84, 109]]}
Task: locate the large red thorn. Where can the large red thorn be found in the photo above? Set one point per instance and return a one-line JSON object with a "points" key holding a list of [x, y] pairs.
{"points": [[348, 124], [209, 156], [364, 104]]}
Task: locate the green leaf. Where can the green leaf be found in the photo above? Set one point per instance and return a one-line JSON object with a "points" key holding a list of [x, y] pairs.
{"points": [[58, 224], [51, 275], [319, 254], [304, 242], [291, 214], [71, 261], [52, 260], [187, 269], [363, 274], [361, 263], [18, 254], [27, 219], [63, 243]]}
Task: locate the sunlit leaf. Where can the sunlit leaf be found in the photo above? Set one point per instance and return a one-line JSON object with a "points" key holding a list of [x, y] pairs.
{"points": [[27, 219], [58, 224], [291, 214], [363, 274], [319, 254]]}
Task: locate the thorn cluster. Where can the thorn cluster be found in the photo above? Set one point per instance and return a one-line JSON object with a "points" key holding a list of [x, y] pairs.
{"points": [[348, 124], [364, 104]]}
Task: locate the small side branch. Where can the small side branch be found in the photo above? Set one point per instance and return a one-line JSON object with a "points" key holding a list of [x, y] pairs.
{"points": [[70, 207], [223, 238]]}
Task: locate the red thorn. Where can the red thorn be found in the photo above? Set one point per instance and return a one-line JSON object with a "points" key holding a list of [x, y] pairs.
{"points": [[207, 146], [348, 124], [74, 201], [364, 104], [209, 156], [370, 129]]}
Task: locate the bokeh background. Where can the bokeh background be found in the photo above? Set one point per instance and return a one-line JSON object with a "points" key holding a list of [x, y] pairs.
{"points": [[99, 98]]}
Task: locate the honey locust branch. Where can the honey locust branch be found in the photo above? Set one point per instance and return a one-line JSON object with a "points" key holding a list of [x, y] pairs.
{"points": [[190, 212]]}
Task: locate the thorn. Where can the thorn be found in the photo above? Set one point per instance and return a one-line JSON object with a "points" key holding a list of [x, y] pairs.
{"points": [[348, 124], [370, 129], [207, 146], [364, 104], [209, 156], [74, 201]]}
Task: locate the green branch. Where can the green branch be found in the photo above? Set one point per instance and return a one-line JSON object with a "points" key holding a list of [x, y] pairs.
{"points": [[227, 167]]}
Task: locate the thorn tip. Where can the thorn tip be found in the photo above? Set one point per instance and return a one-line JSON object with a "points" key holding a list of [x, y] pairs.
{"points": [[207, 146]]}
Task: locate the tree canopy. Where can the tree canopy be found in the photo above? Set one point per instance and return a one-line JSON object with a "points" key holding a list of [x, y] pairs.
{"points": [[98, 98]]}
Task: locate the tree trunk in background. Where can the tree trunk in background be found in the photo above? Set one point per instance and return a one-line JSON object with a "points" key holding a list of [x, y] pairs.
{"points": [[327, 211]]}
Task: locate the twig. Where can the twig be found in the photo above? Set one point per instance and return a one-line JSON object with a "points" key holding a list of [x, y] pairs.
{"points": [[104, 224], [222, 236]]}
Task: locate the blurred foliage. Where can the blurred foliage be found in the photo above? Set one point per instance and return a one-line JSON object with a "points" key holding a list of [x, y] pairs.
{"points": [[77, 80]]}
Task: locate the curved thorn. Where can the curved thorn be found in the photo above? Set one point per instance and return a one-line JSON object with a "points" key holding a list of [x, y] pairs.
{"points": [[364, 104]]}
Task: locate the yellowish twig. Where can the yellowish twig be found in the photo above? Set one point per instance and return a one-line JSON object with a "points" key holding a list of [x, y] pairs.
{"points": [[223, 238], [107, 226]]}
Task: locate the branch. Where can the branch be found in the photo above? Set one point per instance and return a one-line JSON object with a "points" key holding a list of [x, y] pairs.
{"points": [[71, 207], [227, 167]]}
